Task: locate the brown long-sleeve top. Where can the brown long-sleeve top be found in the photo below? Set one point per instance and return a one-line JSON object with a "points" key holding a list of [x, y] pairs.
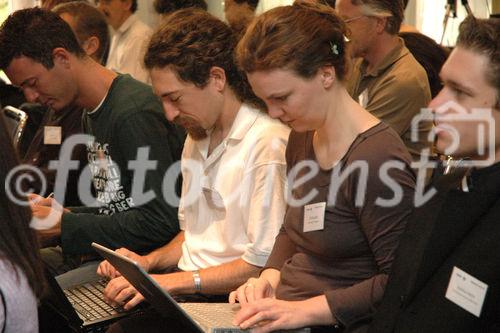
{"points": [[349, 260]]}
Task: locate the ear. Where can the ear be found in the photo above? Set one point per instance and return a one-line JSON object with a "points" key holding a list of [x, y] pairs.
{"points": [[218, 78], [127, 4], [61, 56], [91, 45], [327, 75], [381, 22]]}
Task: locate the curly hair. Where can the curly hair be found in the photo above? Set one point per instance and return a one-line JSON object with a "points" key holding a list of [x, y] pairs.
{"points": [[483, 36], [169, 6], [302, 37], [35, 33], [191, 42]]}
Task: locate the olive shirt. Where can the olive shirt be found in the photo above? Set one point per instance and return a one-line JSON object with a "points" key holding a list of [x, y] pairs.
{"points": [[395, 91], [130, 117], [349, 260]]}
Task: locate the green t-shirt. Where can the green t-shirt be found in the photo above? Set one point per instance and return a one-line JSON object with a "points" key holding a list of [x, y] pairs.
{"points": [[129, 118]]}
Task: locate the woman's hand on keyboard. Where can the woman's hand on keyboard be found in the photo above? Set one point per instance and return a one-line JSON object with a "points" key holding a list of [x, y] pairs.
{"points": [[107, 270]]}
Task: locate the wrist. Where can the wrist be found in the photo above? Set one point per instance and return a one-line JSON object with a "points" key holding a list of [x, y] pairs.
{"points": [[316, 311], [197, 281]]}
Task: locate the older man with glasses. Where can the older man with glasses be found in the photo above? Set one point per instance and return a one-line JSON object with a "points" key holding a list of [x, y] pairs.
{"points": [[387, 80]]}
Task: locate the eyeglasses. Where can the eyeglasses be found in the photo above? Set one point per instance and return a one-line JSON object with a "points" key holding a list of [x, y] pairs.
{"points": [[353, 18]]}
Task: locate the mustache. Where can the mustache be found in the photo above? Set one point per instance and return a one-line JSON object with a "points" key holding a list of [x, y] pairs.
{"points": [[192, 127]]}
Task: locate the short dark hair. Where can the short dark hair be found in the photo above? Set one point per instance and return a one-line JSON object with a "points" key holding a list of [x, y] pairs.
{"points": [[252, 3], [483, 36], [393, 7], [302, 37], [169, 6], [133, 8], [429, 54], [35, 33], [89, 22], [405, 3], [18, 243], [191, 42]]}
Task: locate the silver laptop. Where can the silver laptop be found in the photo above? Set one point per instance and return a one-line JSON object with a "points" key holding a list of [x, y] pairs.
{"points": [[199, 317]]}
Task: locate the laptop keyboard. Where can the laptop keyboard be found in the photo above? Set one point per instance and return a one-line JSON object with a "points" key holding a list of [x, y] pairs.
{"points": [[213, 315], [88, 301]]}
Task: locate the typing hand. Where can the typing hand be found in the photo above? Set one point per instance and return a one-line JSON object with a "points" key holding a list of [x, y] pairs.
{"points": [[119, 292], [254, 289], [269, 314], [105, 269]]}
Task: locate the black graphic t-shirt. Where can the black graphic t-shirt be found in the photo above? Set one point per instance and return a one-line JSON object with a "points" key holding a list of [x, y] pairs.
{"points": [[129, 123]]}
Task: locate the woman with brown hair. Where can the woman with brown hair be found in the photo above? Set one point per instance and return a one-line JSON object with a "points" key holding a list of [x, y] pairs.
{"points": [[349, 175], [21, 276]]}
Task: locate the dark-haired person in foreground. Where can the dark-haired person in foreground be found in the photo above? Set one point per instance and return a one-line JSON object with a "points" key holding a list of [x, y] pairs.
{"points": [[21, 275], [446, 275], [331, 259], [232, 202], [121, 113]]}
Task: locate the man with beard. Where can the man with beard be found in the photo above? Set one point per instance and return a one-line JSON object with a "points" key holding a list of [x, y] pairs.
{"points": [[233, 166]]}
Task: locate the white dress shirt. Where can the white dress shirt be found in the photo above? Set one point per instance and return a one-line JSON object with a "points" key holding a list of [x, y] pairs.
{"points": [[128, 47], [232, 203]]}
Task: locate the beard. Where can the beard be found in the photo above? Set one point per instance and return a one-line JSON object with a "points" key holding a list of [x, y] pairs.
{"points": [[192, 127]]}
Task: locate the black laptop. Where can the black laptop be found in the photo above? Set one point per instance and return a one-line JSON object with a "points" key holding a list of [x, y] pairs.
{"points": [[197, 317], [82, 306]]}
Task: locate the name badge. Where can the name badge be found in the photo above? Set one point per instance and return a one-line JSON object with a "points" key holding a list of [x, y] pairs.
{"points": [[52, 135], [466, 291], [314, 217]]}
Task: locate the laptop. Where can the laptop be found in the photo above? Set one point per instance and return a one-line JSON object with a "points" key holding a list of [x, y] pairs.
{"points": [[197, 317], [82, 306]]}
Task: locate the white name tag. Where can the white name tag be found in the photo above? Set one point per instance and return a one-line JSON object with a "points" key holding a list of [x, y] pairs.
{"points": [[314, 217], [52, 135], [466, 291]]}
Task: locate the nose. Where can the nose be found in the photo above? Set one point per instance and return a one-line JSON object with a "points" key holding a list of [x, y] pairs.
{"points": [[274, 111], [441, 98], [171, 112], [31, 95]]}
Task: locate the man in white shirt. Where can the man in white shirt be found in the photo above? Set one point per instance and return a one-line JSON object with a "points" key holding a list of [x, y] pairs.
{"points": [[130, 37], [233, 164]]}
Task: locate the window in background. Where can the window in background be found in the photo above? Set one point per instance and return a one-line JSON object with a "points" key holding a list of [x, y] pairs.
{"points": [[430, 15]]}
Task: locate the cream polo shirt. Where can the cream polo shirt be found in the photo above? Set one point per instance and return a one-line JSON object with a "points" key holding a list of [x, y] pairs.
{"points": [[232, 203], [128, 47]]}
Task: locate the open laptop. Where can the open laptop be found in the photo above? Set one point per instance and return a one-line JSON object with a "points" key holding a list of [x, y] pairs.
{"points": [[197, 317], [82, 306]]}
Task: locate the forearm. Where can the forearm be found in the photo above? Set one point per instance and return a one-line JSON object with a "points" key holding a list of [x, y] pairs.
{"points": [[272, 275], [167, 255], [316, 311], [217, 280]]}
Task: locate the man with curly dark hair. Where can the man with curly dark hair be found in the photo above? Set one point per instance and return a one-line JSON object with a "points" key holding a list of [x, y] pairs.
{"points": [[239, 156]]}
